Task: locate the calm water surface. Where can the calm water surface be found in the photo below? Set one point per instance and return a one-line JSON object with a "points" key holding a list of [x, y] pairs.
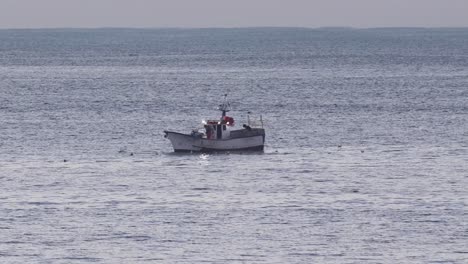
{"points": [[366, 158]]}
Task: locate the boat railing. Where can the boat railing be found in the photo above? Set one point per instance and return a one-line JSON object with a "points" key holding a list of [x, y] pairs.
{"points": [[255, 121]]}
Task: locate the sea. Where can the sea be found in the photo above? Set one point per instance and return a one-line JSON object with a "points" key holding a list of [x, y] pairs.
{"points": [[366, 155]]}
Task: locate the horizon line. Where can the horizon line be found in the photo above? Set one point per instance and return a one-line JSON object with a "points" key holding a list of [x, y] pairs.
{"points": [[239, 27]]}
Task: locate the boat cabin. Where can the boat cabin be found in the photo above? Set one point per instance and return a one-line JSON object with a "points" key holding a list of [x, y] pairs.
{"points": [[218, 129]]}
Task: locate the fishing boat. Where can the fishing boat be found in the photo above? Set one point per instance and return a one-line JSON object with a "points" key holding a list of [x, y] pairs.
{"points": [[220, 135]]}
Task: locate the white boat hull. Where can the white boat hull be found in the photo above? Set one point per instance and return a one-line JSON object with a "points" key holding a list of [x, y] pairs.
{"points": [[187, 143]]}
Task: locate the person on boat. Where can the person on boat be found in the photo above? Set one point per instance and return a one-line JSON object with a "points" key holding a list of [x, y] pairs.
{"points": [[209, 131]]}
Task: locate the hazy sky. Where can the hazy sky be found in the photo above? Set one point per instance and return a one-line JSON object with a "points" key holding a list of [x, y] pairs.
{"points": [[232, 13]]}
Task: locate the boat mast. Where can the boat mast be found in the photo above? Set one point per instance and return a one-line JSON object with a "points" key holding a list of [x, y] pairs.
{"points": [[225, 106]]}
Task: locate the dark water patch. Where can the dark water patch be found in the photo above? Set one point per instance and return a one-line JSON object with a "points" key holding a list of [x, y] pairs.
{"points": [[47, 185], [81, 259], [171, 241], [13, 242], [152, 260], [201, 189], [253, 255], [305, 254], [323, 180], [442, 261], [429, 221], [41, 203], [305, 171], [232, 259], [136, 238]]}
